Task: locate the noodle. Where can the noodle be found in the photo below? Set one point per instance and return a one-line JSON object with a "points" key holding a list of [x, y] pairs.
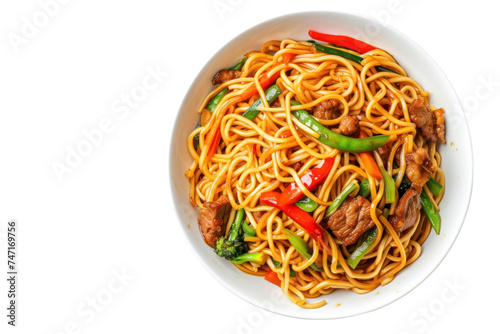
{"points": [[256, 156]]}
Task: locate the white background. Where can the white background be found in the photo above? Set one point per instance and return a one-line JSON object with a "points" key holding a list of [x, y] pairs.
{"points": [[111, 215]]}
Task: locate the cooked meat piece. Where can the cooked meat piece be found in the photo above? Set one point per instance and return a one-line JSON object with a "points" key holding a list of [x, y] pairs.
{"points": [[351, 220], [349, 126], [426, 121], [385, 151], [225, 75], [418, 168], [406, 214], [438, 115], [327, 109], [297, 166], [213, 219]]}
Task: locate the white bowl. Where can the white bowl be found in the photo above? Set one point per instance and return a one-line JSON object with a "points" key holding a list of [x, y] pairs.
{"points": [[456, 162]]}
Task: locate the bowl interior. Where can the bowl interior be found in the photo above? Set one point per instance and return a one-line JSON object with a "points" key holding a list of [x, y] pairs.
{"points": [[456, 162]]}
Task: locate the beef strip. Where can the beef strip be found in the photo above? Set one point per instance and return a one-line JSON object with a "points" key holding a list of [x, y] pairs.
{"points": [[385, 151], [213, 219], [349, 126], [351, 220], [225, 75], [327, 109], [418, 168], [407, 211], [426, 121]]}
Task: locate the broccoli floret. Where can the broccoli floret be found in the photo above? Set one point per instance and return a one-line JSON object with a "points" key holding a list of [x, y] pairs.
{"points": [[230, 249], [234, 248]]}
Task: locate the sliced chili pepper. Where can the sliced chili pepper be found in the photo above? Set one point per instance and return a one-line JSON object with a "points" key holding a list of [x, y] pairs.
{"points": [[288, 57], [286, 134], [311, 180], [298, 215], [336, 140], [369, 162], [272, 277], [343, 41]]}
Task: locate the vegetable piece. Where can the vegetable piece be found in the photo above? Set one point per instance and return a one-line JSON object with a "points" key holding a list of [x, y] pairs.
{"points": [[364, 188], [239, 64], [431, 212], [339, 199], [301, 246], [365, 245], [264, 81], [215, 143], [216, 99], [247, 257], [272, 94], [234, 248], [307, 204], [272, 277], [369, 162], [278, 265], [338, 141], [288, 57], [343, 41], [248, 230], [434, 186], [299, 216], [311, 180], [346, 55], [390, 187]]}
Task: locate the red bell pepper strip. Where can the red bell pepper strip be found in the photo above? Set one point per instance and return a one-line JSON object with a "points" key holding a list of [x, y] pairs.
{"points": [[272, 277], [311, 180], [215, 143], [297, 215], [265, 82], [369, 162], [343, 41], [288, 57]]}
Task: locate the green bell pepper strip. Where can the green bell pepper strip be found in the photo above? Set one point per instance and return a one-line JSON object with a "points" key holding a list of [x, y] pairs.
{"points": [[364, 188], [346, 55], [272, 94], [338, 141], [340, 198], [431, 213], [366, 244], [307, 204], [301, 246], [390, 187], [239, 64], [215, 100], [434, 186], [248, 230]]}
